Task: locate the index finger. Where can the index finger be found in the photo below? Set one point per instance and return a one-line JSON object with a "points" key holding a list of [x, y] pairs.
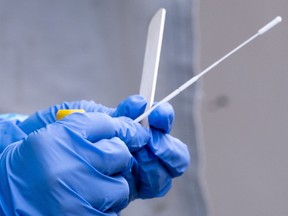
{"points": [[97, 126], [47, 116]]}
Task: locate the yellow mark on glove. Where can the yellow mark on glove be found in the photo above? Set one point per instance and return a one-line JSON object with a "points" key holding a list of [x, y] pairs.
{"points": [[62, 113]]}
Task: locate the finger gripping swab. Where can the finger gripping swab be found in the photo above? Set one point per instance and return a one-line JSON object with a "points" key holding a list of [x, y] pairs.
{"points": [[261, 31]]}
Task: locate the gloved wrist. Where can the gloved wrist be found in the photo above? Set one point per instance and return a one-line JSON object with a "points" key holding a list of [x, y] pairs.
{"points": [[9, 133], [13, 116]]}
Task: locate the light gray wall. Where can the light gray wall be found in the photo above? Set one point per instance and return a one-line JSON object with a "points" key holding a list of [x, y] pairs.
{"points": [[244, 109]]}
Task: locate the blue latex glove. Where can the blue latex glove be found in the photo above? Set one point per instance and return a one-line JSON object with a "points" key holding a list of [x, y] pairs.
{"points": [[70, 167], [164, 158]]}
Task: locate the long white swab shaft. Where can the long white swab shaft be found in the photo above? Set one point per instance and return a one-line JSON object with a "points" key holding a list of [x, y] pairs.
{"points": [[195, 78]]}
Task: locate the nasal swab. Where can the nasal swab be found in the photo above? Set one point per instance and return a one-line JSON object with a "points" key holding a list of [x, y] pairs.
{"points": [[261, 31]]}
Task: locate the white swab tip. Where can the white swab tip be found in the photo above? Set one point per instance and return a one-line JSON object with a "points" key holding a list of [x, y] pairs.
{"points": [[279, 19], [270, 25]]}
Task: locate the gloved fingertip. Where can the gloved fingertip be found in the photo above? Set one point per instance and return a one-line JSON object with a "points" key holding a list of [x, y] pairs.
{"points": [[154, 180], [131, 107], [182, 167], [162, 117], [173, 153]]}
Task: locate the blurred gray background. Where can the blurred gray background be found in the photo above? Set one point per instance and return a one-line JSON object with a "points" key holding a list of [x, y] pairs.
{"points": [[244, 108]]}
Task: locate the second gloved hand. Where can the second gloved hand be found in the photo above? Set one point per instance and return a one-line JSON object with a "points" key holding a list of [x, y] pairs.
{"points": [[70, 167], [163, 158]]}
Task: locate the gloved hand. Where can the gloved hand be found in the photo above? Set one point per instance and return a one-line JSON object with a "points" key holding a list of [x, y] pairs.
{"points": [[70, 167], [164, 158]]}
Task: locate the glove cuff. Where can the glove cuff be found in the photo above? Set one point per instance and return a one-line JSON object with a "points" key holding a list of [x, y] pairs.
{"points": [[9, 133]]}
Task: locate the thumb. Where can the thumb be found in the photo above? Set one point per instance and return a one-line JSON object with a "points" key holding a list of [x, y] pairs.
{"points": [[47, 116], [97, 126]]}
